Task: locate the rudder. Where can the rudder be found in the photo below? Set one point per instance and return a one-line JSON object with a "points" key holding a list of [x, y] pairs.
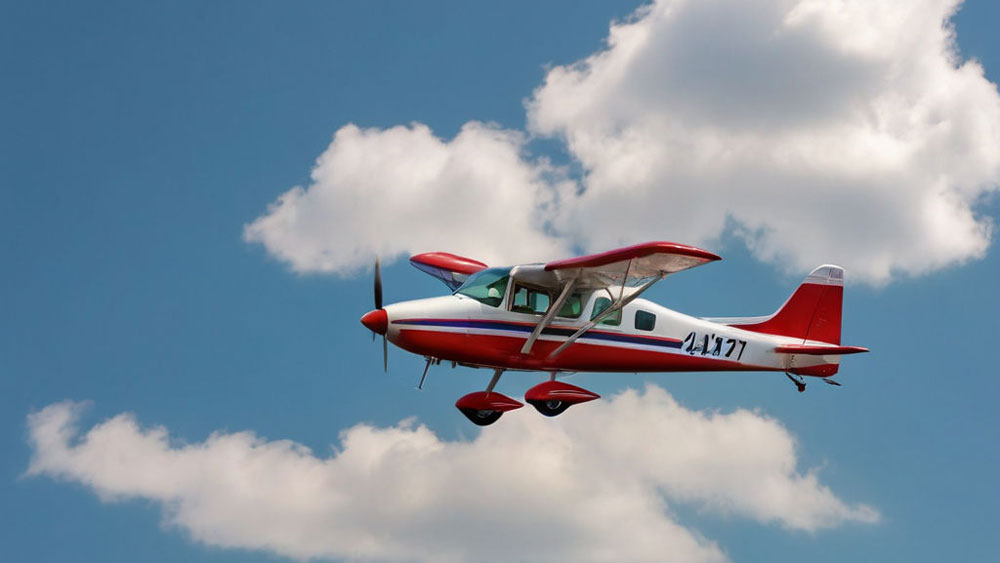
{"points": [[813, 312]]}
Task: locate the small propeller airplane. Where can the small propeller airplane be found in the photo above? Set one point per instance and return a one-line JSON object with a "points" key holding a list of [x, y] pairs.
{"points": [[584, 314]]}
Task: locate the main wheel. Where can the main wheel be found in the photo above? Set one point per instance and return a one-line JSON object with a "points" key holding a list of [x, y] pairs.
{"points": [[550, 408], [481, 417]]}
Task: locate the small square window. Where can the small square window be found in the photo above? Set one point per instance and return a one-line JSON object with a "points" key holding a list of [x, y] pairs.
{"points": [[644, 320]]}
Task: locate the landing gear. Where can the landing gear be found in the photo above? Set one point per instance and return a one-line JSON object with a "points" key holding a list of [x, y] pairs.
{"points": [[799, 384], [483, 408], [552, 397]]}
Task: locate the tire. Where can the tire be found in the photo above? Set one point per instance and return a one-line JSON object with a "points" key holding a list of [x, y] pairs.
{"points": [[480, 417], [550, 408]]}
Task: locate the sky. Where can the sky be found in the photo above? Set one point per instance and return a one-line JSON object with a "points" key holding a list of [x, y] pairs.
{"points": [[193, 195]]}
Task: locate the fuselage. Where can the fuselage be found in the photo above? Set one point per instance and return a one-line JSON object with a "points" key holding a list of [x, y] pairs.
{"points": [[643, 337]]}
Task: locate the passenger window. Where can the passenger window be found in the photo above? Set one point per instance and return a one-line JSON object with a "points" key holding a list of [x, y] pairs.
{"points": [[528, 300], [644, 320], [602, 303], [572, 307]]}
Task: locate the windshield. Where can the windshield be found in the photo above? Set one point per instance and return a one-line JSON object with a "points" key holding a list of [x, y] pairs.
{"points": [[486, 286]]}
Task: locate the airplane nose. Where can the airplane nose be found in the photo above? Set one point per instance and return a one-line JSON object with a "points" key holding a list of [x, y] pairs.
{"points": [[377, 321]]}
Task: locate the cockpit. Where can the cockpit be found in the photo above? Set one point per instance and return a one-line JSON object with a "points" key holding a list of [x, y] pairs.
{"points": [[490, 287], [486, 286]]}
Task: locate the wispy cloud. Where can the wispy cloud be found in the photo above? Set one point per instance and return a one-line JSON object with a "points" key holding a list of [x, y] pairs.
{"points": [[818, 131], [592, 485]]}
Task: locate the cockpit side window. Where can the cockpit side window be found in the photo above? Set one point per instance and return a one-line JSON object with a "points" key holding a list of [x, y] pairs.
{"points": [[486, 286], [602, 303], [572, 307], [529, 300]]}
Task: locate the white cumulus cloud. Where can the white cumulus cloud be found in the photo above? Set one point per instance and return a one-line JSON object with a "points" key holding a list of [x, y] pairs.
{"points": [[404, 191], [841, 131], [593, 487], [819, 131]]}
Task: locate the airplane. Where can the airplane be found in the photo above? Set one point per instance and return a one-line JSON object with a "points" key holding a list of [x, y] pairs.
{"points": [[585, 314]]}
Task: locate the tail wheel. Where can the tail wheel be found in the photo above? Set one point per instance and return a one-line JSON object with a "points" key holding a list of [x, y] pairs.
{"points": [[550, 407], [481, 417]]}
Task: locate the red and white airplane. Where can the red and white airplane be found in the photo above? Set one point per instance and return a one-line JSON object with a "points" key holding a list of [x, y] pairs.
{"points": [[584, 314]]}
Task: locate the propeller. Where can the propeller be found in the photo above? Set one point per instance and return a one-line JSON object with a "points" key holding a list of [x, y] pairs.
{"points": [[378, 284], [377, 320], [378, 306]]}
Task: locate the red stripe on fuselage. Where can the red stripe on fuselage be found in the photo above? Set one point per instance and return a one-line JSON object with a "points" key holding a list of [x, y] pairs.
{"points": [[505, 351]]}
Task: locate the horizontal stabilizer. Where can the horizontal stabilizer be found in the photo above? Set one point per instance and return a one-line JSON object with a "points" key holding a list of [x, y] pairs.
{"points": [[818, 350]]}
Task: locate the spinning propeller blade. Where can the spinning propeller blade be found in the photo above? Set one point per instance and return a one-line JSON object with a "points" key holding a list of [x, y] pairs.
{"points": [[378, 305], [378, 284]]}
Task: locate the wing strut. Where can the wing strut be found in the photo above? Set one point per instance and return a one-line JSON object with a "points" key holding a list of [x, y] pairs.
{"points": [[547, 319], [616, 306], [621, 292]]}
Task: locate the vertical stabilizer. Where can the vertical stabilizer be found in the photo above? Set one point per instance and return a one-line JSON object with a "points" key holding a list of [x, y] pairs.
{"points": [[813, 312]]}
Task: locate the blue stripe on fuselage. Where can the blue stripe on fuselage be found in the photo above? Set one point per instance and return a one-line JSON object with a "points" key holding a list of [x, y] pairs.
{"points": [[548, 331]]}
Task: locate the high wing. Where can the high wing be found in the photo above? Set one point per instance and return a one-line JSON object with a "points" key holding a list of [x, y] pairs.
{"points": [[639, 265], [632, 264], [452, 269]]}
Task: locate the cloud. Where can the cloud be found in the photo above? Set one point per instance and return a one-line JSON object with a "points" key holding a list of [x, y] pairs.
{"points": [[822, 131], [403, 191], [593, 487], [817, 131]]}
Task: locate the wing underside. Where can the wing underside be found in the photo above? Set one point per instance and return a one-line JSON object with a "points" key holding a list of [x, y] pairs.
{"points": [[631, 265], [452, 269]]}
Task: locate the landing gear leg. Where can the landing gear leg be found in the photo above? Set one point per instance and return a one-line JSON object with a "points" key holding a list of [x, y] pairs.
{"points": [[420, 385], [799, 384], [493, 382]]}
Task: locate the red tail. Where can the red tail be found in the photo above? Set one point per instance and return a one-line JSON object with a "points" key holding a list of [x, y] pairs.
{"points": [[811, 313]]}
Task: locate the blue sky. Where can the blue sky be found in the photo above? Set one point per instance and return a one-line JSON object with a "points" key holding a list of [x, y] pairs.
{"points": [[138, 142]]}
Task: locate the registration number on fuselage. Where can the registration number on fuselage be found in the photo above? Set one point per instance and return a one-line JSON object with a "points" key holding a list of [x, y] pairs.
{"points": [[712, 345]]}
